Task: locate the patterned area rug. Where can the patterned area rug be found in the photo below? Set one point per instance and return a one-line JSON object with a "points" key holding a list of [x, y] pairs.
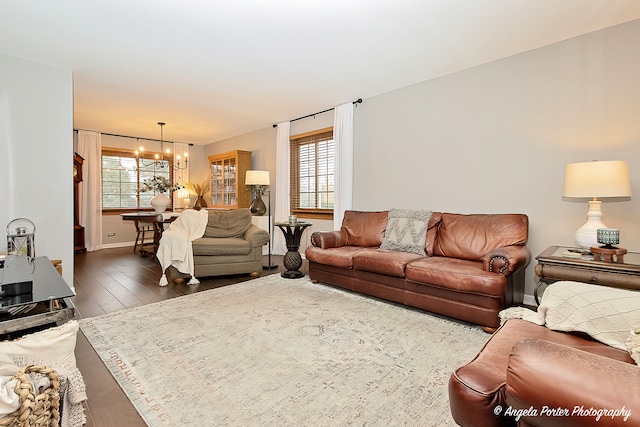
{"points": [[274, 351]]}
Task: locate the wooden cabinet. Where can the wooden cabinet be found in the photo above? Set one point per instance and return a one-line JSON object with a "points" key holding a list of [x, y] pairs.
{"points": [[227, 180]]}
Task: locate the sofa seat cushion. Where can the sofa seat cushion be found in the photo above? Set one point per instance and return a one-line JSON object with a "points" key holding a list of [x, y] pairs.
{"points": [[337, 257], [456, 274], [383, 261], [479, 386], [207, 246]]}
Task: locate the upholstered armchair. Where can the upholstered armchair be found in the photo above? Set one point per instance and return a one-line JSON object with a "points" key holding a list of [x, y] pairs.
{"points": [[231, 244]]}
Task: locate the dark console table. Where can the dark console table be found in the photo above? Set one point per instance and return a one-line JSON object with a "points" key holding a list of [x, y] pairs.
{"points": [[47, 303]]}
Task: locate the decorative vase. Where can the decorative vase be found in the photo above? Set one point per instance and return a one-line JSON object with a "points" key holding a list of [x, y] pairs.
{"points": [[160, 202], [199, 203], [257, 206]]}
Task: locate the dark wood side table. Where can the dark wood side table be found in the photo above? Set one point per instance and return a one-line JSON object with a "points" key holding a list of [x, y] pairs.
{"points": [[292, 259], [553, 265]]}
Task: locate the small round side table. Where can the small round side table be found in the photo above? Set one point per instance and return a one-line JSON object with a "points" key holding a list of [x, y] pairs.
{"points": [[292, 259]]}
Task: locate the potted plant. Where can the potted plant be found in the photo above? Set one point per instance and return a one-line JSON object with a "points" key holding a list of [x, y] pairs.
{"points": [[159, 185], [199, 190]]}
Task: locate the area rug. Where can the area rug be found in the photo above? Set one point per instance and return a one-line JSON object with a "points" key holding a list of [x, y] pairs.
{"points": [[282, 352]]}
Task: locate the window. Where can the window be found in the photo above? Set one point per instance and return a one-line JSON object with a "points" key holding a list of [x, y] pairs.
{"points": [[311, 168], [122, 177]]}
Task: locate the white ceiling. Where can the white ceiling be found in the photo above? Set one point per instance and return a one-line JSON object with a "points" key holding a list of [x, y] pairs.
{"points": [[214, 69]]}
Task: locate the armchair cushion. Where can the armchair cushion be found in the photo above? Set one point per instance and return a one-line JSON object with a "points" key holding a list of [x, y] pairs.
{"points": [[589, 389], [212, 246], [233, 223]]}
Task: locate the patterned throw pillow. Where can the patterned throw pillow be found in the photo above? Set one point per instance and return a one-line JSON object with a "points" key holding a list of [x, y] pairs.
{"points": [[406, 231]]}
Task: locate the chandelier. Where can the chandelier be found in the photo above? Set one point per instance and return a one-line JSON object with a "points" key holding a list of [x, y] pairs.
{"points": [[160, 159]]}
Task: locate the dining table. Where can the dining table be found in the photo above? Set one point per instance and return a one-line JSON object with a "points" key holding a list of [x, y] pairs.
{"points": [[160, 221]]}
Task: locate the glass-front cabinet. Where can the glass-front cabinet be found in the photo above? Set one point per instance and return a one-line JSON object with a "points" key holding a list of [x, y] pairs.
{"points": [[227, 180]]}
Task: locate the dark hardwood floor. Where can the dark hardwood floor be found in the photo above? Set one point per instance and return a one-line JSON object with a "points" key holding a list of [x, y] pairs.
{"points": [[116, 279]]}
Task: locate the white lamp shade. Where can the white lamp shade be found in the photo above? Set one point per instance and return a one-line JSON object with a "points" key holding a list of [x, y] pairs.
{"points": [[597, 179], [257, 178]]}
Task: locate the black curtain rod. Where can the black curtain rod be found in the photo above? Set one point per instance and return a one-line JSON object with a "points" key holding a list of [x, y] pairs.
{"points": [[138, 137], [357, 101]]}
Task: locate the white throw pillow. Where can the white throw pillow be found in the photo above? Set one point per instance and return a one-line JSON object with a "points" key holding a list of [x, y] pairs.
{"points": [[57, 344]]}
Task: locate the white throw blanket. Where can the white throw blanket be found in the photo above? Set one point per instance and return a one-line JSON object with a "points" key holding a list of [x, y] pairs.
{"points": [[609, 315], [175, 247]]}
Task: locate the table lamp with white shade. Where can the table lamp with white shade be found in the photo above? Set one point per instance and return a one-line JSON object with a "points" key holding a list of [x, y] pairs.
{"points": [[594, 180]]}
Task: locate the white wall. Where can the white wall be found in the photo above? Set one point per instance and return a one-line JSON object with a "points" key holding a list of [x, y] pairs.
{"points": [[496, 138], [36, 155]]}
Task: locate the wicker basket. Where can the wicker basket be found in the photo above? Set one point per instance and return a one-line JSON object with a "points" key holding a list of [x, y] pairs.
{"points": [[35, 411]]}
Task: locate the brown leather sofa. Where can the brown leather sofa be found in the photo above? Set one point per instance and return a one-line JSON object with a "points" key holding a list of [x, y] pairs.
{"points": [[473, 268], [529, 375]]}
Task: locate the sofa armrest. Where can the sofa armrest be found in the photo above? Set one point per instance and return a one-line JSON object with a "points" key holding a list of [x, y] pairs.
{"points": [[507, 260], [570, 387], [256, 236], [329, 239]]}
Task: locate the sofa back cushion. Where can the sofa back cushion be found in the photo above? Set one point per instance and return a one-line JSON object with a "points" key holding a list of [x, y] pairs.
{"points": [[432, 231], [233, 223], [472, 236], [364, 228]]}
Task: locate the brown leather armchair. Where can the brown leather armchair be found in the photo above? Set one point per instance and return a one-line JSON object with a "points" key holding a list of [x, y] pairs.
{"points": [[571, 387], [529, 375]]}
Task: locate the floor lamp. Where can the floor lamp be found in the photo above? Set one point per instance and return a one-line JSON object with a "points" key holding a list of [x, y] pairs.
{"points": [[259, 181], [269, 266]]}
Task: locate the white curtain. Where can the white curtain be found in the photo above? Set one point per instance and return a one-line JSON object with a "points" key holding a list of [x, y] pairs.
{"points": [[181, 175], [343, 168], [90, 189], [283, 185]]}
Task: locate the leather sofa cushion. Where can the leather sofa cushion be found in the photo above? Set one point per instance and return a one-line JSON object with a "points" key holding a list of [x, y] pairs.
{"points": [[473, 236], [364, 229], [383, 261], [221, 246], [338, 257], [432, 231], [476, 388], [233, 223], [456, 274]]}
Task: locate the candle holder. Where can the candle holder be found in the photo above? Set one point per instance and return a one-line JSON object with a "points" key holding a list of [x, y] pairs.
{"points": [[608, 253], [21, 238]]}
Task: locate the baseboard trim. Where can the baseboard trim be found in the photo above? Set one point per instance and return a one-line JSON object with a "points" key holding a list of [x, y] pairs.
{"points": [[115, 245], [529, 300]]}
